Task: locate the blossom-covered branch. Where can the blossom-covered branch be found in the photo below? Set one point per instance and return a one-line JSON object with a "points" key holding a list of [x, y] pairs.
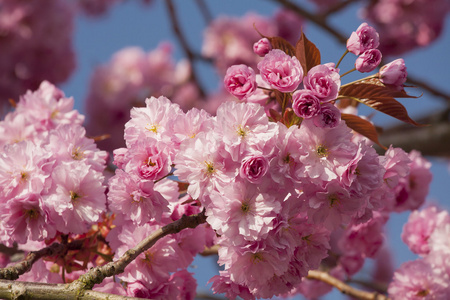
{"points": [[12, 289]]}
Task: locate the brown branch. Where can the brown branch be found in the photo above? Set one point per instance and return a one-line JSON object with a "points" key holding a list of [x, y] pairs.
{"points": [[205, 11], [336, 8], [426, 86], [46, 291], [214, 250], [344, 288], [429, 140], [81, 288], [185, 45], [319, 21], [55, 249]]}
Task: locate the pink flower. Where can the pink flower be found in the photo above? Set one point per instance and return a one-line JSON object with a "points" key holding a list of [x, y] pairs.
{"points": [[420, 226], [363, 39], [223, 284], [242, 213], [394, 74], [281, 71], [200, 163], [243, 125], [324, 82], [305, 104], [254, 167], [368, 60], [240, 81], [135, 198], [137, 289], [412, 190], [417, 280], [329, 116], [155, 120], [78, 197], [262, 47]]}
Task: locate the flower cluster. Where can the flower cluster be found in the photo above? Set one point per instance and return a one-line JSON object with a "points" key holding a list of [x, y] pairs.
{"points": [[36, 45], [50, 172], [406, 26], [426, 233], [133, 75], [364, 42]]}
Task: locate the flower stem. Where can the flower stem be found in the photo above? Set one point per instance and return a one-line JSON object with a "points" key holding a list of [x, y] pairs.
{"points": [[342, 57]]}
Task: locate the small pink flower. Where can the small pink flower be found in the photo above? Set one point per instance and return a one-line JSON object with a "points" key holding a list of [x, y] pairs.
{"points": [[305, 104], [281, 71], [324, 81], [368, 60], [240, 81], [394, 73], [254, 167], [262, 47], [363, 39], [328, 117]]}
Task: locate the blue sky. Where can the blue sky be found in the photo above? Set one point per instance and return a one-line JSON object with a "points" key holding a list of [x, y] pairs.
{"points": [[132, 24]]}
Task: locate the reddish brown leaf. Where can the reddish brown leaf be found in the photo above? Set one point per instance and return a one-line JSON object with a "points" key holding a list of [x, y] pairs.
{"points": [[276, 116], [283, 99], [280, 43], [307, 53], [381, 98], [363, 127], [290, 118], [182, 187]]}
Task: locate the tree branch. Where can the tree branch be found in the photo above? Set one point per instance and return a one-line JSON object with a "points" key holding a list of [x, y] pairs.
{"points": [[344, 288], [204, 10], [55, 249], [336, 8], [185, 45]]}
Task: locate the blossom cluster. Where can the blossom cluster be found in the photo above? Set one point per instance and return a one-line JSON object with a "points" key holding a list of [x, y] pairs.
{"points": [[426, 234], [274, 195], [131, 76], [36, 45], [281, 191], [404, 26], [51, 174]]}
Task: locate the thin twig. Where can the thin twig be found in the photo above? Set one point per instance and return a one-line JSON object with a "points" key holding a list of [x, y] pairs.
{"points": [[321, 22], [344, 288], [205, 11], [185, 45], [336, 8], [214, 250]]}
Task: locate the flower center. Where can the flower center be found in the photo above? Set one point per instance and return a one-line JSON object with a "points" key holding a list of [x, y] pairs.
{"points": [[257, 257], [333, 199], [77, 154], [154, 127], [210, 170], [32, 214], [74, 196], [322, 151], [242, 131]]}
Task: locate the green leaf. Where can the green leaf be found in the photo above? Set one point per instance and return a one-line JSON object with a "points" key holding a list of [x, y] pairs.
{"points": [[307, 53], [380, 97], [290, 118], [362, 127]]}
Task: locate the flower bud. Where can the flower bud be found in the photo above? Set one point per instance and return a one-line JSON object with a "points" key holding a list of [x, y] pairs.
{"points": [[363, 39], [329, 116], [305, 104], [240, 81], [368, 61], [262, 47], [394, 73]]}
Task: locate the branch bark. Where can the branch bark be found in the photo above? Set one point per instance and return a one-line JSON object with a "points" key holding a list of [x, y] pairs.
{"points": [[185, 45], [344, 288]]}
